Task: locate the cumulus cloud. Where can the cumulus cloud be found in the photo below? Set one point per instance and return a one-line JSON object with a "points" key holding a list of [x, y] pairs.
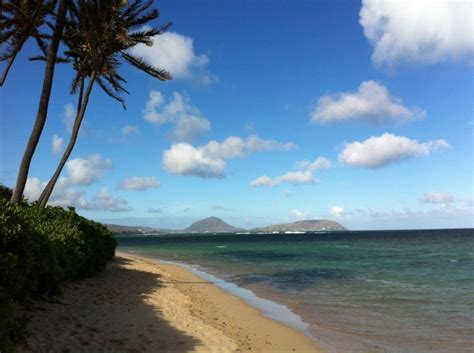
{"points": [[175, 53], [86, 171], [337, 211], [263, 181], [103, 201], [299, 215], [378, 152], [319, 164], [257, 144], [300, 177], [418, 31], [296, 178], [371, 102], [437, 197], [33, 188], [65, 196], [140, 183], [57, 144], [190, 127], [184, 159], [155, 100], [188, 120], [209, 161], [129, 130]]}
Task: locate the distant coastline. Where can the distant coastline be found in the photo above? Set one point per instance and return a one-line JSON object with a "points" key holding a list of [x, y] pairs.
{"points": [[219, 226]]}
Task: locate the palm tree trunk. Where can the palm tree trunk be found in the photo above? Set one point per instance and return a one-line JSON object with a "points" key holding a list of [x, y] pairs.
{"points": [[45, 195], [43, 104], [55, 176], [7, 68]]}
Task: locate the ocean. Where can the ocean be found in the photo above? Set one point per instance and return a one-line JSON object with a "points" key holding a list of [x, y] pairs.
{"points": [[408, 291]]}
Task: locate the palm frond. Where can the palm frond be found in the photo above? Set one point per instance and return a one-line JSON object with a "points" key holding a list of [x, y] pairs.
{"points": [[142, 65], [110, 92]]}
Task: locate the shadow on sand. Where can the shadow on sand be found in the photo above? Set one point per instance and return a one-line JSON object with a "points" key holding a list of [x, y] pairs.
{"points": [[95, 315]]}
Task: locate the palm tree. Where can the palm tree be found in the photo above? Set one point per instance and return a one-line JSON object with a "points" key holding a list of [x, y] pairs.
{"points": [[98, 36], [51, 56], [19, 21]]}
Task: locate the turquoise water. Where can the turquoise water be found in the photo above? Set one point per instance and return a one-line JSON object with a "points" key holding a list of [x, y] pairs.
{"points": [[396, 291]]}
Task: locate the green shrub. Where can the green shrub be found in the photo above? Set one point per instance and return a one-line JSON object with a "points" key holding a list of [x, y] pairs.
{"points": [[5, 192], [40, 248]]}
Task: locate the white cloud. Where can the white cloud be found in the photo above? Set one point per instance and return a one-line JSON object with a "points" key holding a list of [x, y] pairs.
{"points": [[189, 128], [63, 195], [209, 161], [296, 178], [155, 100], [33, 188], [189, 121], [57, 144], [69, 116], [129, 130], [302, 176], [299, 215], [319, 164], [175, 53], [184, 159], [377, 152], [337, 211], [140, 183], [257, 144], [418, 31], [263, 181], [103, 201], [231, 147], [371, 102], [437, 197], [86, 171]]}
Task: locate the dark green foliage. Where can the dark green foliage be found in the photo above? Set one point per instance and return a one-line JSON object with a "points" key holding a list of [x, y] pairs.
{"points": [[98, 38], [40, 248], [5, 192], [19, 21]]}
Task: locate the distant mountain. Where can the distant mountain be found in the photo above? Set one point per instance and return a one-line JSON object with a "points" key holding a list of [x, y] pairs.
{"points": [[217, 225], [119, 229], [211, 225], [303, 226]]}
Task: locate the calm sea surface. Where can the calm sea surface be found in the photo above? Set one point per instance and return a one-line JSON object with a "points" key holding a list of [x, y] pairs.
{"points": [[391, 291]]}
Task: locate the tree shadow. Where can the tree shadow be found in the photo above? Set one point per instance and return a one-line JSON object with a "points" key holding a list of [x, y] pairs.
{"points": [[95, 316]]}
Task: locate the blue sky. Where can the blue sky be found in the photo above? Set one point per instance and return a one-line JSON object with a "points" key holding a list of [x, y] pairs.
{"points": [[380, 92]]}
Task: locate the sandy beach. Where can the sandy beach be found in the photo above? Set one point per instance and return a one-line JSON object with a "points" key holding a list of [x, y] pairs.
{"points": [[140, 305]]}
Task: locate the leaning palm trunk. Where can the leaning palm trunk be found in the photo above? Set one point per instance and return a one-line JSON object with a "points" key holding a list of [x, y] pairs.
{"points": [[7, 69], [46, 194], [43, 104]]}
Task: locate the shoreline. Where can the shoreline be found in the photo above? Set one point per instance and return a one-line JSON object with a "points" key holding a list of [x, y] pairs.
{"points": [[267, 307], [145, 305]]}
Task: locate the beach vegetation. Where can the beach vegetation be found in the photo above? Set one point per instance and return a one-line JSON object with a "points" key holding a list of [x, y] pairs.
{"points": [[40, 249]]}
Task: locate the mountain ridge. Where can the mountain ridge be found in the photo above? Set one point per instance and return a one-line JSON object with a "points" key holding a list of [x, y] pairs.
{"points": [[316, 225], [211, 225], [217, 225]]}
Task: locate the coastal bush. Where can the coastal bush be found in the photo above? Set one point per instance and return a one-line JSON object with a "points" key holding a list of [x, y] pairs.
{"points": [[40, 249]]}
